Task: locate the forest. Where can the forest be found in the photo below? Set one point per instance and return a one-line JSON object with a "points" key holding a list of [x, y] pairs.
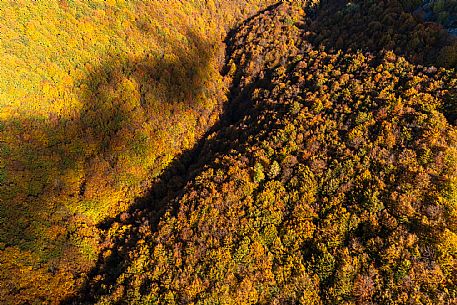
{"points": [[228, 152]]}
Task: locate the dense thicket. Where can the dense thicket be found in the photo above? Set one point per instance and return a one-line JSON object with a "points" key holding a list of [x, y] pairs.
{"points": [[332, 180], [96, 99], [390, 24]]}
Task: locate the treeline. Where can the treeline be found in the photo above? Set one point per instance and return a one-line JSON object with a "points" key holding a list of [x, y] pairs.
{"points": [[331, 180]]}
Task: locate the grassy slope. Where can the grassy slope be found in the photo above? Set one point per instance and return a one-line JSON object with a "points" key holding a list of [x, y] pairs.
{"points": [[96, 98]]}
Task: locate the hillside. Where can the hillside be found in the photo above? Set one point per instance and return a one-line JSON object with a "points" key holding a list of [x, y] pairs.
{"points": [[96, 99], [331, 179], [177, 152]]}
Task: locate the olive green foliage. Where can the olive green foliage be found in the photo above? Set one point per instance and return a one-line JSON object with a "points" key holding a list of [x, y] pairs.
{"points": [[332, 179]]}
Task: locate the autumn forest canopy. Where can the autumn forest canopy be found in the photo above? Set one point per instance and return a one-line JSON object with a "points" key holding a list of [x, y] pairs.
{"points": [[228, 152]]}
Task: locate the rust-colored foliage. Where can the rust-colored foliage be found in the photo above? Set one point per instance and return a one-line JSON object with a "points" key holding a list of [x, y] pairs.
{"points": [[331, 179], [328, 177]]}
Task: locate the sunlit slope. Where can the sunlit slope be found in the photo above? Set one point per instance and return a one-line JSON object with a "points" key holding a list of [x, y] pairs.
{"points": [[333, 182], [96, 98]]}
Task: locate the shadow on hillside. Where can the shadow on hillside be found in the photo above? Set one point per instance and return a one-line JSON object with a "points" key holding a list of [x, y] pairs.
{"points": [[450, 107], [147, 211], [369, 26], [70, 159]]}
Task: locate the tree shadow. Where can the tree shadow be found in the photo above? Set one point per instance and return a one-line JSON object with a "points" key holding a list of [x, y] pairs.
{"points": [[146, 212], [163, 196], [77, 156], [384, 25], [449, 107], [56, 170]]}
